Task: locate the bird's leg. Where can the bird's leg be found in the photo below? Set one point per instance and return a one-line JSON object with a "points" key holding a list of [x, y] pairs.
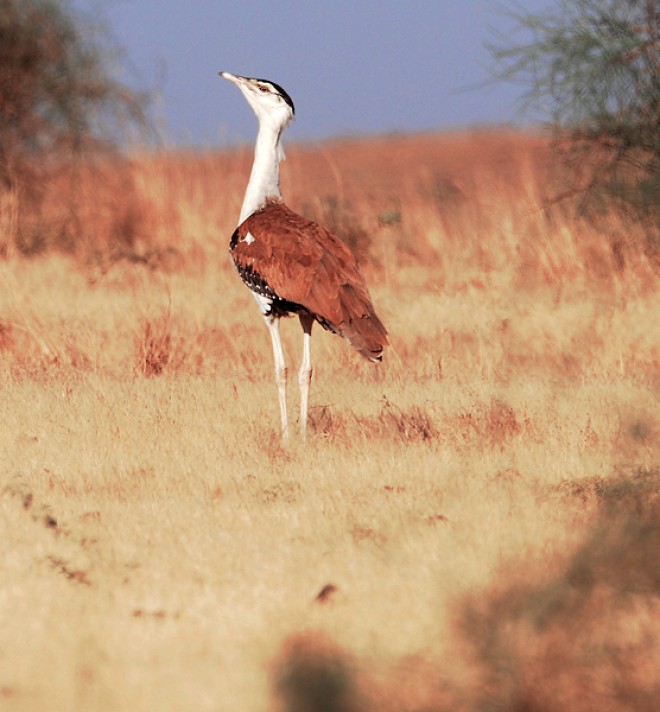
{"points": [[273, 325], [305, 373]]}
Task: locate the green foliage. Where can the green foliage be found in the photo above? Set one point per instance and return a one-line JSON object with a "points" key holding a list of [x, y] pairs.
{"points": [[59, 102], [594, 67], [55, 90]]}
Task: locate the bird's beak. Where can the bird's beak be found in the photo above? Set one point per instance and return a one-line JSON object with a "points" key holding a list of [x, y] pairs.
{"points": [[233, 78]]}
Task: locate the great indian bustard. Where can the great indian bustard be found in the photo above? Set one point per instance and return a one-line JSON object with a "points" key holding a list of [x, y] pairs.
{"points": [[293, 265]]}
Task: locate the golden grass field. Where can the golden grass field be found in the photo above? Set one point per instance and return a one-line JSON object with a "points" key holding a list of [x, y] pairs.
{"points": [[472, 525]]}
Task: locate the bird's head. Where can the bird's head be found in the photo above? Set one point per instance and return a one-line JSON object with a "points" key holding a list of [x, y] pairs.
{"points": [[269, 101]]}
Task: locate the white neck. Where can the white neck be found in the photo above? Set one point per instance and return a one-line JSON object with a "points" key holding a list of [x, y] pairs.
{"points": [[264, 180]]}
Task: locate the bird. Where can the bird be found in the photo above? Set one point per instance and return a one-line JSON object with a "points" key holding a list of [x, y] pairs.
{"points": [[292, 265]]}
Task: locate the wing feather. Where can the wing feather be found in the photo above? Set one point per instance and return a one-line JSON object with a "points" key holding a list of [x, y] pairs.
{"points": [[305, 264]]}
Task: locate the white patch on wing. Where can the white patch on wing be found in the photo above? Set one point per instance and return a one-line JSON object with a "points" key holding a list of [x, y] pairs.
{"points": [[263, 302], [249, 238]]}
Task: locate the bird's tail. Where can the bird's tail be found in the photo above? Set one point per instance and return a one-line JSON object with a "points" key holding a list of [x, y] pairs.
{"points": [[360, 325]]}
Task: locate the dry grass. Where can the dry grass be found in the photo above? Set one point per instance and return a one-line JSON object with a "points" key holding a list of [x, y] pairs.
{"points": [[470, 526]]}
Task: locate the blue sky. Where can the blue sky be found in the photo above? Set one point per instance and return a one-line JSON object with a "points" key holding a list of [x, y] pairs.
{"points": [[352, 67]]}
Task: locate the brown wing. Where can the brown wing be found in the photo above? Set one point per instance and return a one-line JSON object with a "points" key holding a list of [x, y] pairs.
{"points": [[303, 263]]}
